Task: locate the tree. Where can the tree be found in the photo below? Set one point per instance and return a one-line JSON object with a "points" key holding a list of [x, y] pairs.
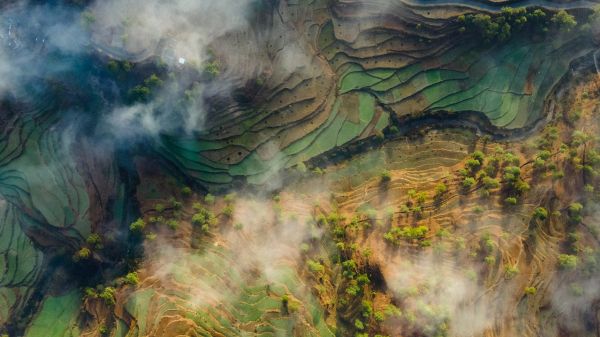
{"points": [[566, 261], [228, 211], [173, 224], [186, 191], [564, 20], [510, 271], [153, 81], [211, 69], [511, 174], [315, 266], [575, 212], [478, 155], [540, 213], [386, 176], [472, 164], [580, 137], [490, 183], [139, 93], [209, 199], [108, 295], [530, 291], [131, 278], [94, 240], [468, 182], [440, 189], [138, 225], [82, 254], [359, 324]]}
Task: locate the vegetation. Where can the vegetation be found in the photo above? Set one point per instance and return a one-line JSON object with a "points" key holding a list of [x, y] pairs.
{"points": [[510, 271], [204, 218], [132, 278], [540, 213], [94, 240], [468, 182], [440, 189], [386, 176], [82, 254], [212, 69], [138, 225], [575, 210], [566, 261], [209, 199], [501, 27], [530, 291], [408, 234], [108, 295]]}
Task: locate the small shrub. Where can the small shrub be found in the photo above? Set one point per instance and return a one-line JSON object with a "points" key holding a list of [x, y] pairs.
{"points": [[510, 201]]}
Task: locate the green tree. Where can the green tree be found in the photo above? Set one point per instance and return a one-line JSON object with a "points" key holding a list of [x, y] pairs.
{"points": [[131, 278], [567, 261], [564, 20], [386, 176], [138, 225], [540, 213]]}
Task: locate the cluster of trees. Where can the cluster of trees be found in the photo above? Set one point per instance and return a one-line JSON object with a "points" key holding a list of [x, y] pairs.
{"points": [[414, 235], [107, 294], [93, 242], [500, 27], [203, 217], [143, 92], [355, 282]]}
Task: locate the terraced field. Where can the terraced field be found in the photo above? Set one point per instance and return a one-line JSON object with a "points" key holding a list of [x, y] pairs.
{"points": [[372, 59]]}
